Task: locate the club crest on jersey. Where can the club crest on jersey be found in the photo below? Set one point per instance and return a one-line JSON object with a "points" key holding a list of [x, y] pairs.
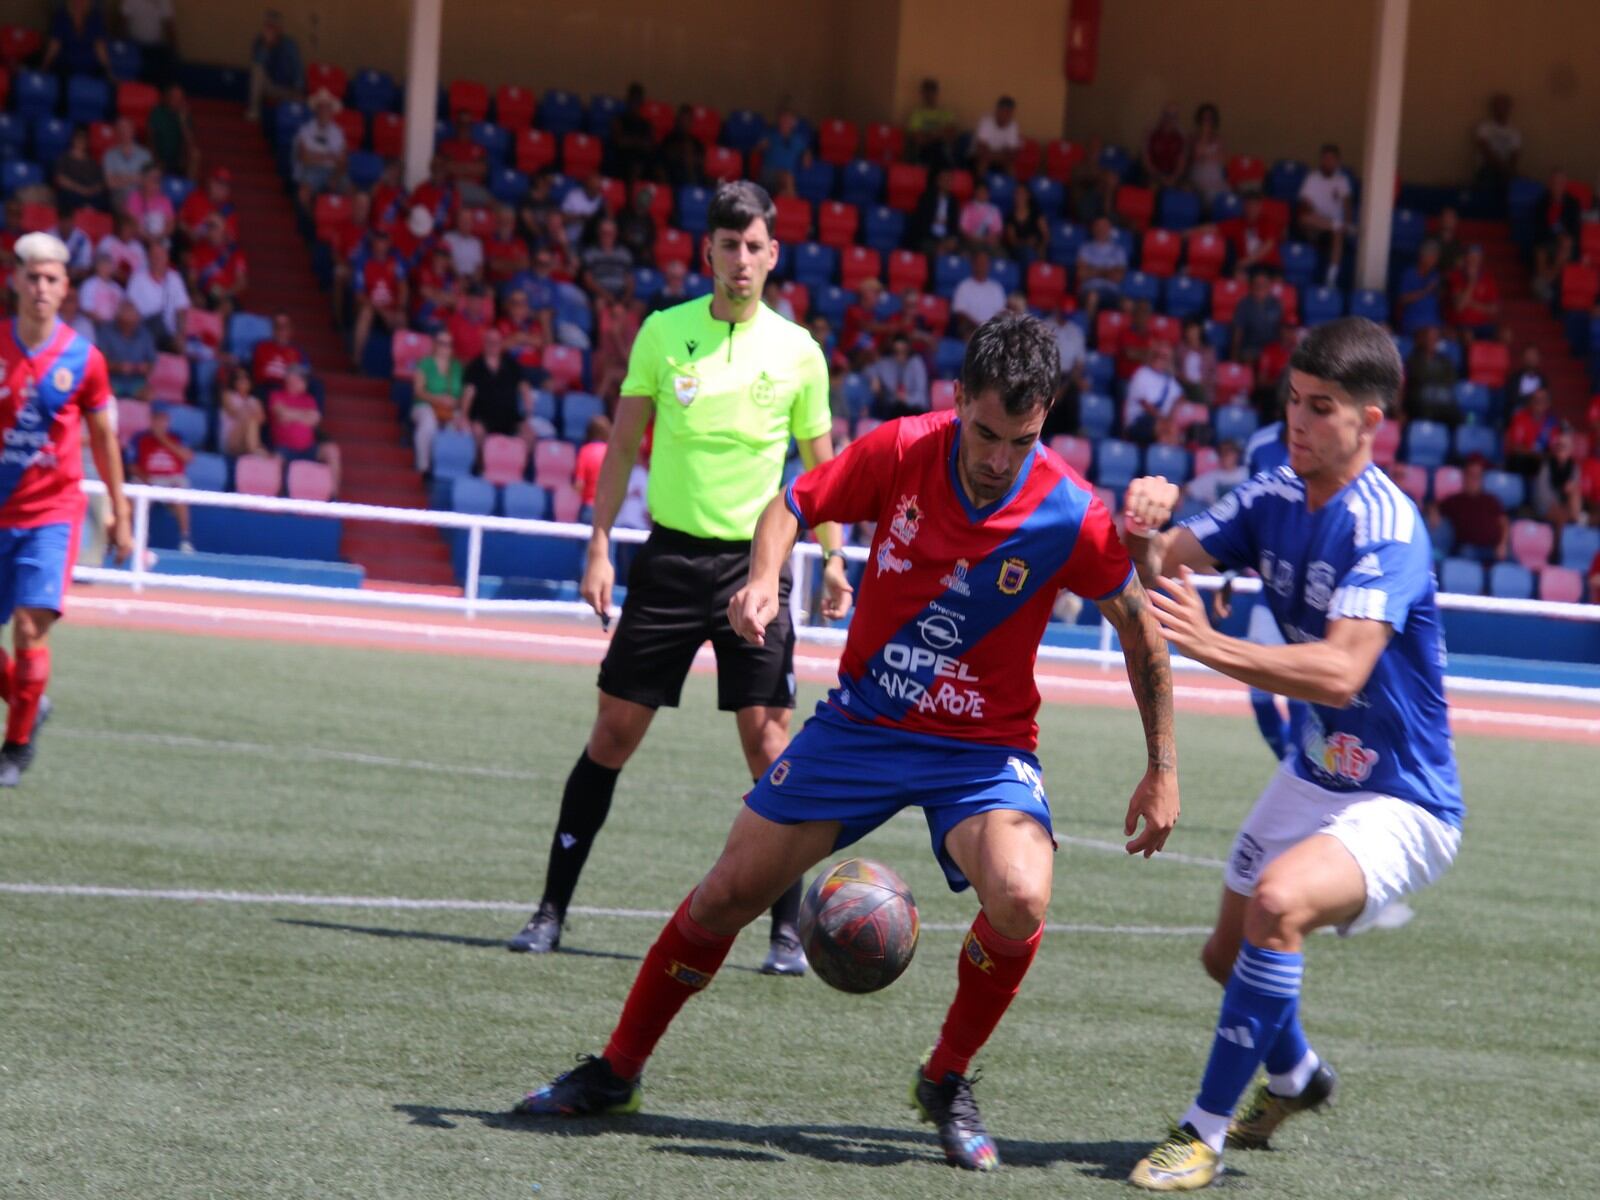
{"points": [[779, 773], [956, 581], [907, 519], [888, 560], [61, 379], [685, 388], [976, 954], [1013, 574]]}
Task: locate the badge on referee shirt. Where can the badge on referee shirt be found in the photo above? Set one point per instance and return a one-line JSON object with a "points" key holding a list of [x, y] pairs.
{"points": [[686, 388], [764, 391]]}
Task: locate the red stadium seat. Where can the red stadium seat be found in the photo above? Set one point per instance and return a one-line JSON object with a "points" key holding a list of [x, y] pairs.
{"points": [[673, 245], [580, 154], [553, 463], [961, 185], [837, 140], [723, 163], [794, 219], [661, 116], [564, 365], [354, 127], [1108, 327], [388, 135], [1488, 363], [614, 194], [169, 378], [134, 101], [1225, 297], [1582, 193], [1205, 254], [1589, 243], [5, 87], [799, 297], [18, 43], [536, 150], [1276, 213], [310, 481], [1580, 284], [660, 201], [1233, 382], [254, 475], [885, 142], [705, 123], [1047, 285], [133, 418], [857, 263], [468, 96], [408, 349], [1166, 329], [837, 223], [1026, 164], [566, 504], [326, 76], [332, 210], [1136, 206], [1159, 255], [37, 218], [1289, 297], [1076, 452], [942, 395], [513, 107], [505, 459], [102, 135], [1061, 158], [1246, 171], [908, 270], [934, 312], [907, 182], [480, 220]]}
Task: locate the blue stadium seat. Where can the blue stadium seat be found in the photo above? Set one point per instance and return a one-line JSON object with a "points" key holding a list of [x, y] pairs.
{"points": [[372, 91], [469, 494], [577, 410], [1299, 262], [696, 285], [947, 356], [831, 301], [1007, 272], [572, 308], [1461, 575], [560, 112], [1130, 243], [13, 135], [1284, 178], [507, 184], [545, 407], [815, 182], [51, 137], [861, 183], [1371, 304], [1097, 413], [815, 264], [208, 472], [647, 283], [1116, 463], [857, 395], [245, 330], [1427, 443], [495, 141], [694, 205], [1049, 196], [1227, 207], [1170, 461], [1186, 297], [189, 425], [1477, 439], [524, 501], [1101, 370], [1116, 160], [1474, 401], [1136, 285], [88, 99], [1319, 305], [887, 308], [177, 189], [948, 271], [1177, 209], [1234, 422], [1507, 486], [127, 60], [286, 122], [1451, 349], [883, 228], [1511, 581], [34, 94], [603, 110], [1407, 233], [742, 129], [453, 455], [1579, 545], [1002, 191], [1219, 336], [1065, 238]]}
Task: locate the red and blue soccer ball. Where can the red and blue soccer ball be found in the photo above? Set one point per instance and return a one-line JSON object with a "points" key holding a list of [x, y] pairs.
{"points": [[858, 924]]}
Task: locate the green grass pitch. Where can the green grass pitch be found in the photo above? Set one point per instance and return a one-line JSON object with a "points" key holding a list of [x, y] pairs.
{"points": [[173, 1050]]}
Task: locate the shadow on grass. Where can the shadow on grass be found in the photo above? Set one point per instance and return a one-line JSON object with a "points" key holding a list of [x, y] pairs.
{"points": [[733, 1141]]}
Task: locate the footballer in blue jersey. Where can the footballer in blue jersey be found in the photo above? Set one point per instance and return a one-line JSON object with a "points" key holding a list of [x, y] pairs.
{"points": [[1367, 807]]}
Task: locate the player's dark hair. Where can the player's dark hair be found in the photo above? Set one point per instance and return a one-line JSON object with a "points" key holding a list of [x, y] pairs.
{"points": [[1355, 353], [1014, 354], [737, 204]]}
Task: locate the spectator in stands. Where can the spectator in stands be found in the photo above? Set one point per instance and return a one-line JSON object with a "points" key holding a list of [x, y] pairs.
{"points": [[617, 318], [1589, 481], [633, 139], [172, 137], [1255, 238], [74, 318], [607, 264], [1558, 485], [1499, 144], [272, 358], [1420, 288], [564, 262], [80, 247], [504, 251], [785, 149], [997, 139], [150, 25], [681, 155], [130, 352], [1474, 300], [1164, 154], [466, 248], [1529, 434], [78, 179], [899, 382], [380, 290], [1324, 210], [160, 459], [581, 206], [319, 150], [296, 424], [437, 290], [124, 161], [1431, 380], [1550, 258], [977, 297], [586, 471], [1270, 366], [981, 222], [526, 332], [1257, 319], [1448, 235], [1210, 486], [1196, 361], [1132, 349], [465, 160], [494, 395], [1207, 170], [1102, 262], [1481, 529], [538, 287], [101, 295], [863, 334], [276, 71], [674, 286], [1153, 394], [76, 44], [243, 417], [218, 271], [1092, 185], [158, 292], [1557, 214], [472, 315], [936, 222], [1026, 235], [636, 228], [438, 195], [436, 387], [1530, 376], [1071, 346], [931, 129], [215, 197], [772, 296], [150, 205]]}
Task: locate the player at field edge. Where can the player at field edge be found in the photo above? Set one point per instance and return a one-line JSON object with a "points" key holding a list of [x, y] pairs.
{"points": [[1368, 808], [978, 529], [727, 382], [53, 382]]}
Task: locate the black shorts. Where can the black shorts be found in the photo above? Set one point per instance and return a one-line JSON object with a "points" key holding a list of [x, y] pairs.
{"points": [[678, 592]]}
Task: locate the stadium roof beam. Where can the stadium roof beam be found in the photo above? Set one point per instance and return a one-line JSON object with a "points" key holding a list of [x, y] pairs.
{"points": [[422, 87], [1381, 156]]}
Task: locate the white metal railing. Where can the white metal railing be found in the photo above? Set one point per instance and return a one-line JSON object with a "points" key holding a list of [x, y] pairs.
{"points": [[138, 576]]}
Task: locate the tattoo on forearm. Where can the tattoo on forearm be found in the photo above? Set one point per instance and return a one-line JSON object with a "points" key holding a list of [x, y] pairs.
{"points": [[1149, 672]]}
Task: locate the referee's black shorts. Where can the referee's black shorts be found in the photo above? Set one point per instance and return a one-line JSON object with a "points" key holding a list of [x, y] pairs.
{"points": [[678, 592]]}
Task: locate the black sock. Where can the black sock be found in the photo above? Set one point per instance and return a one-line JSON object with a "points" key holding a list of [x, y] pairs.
{"points": [[584, 805], [786, 912]]}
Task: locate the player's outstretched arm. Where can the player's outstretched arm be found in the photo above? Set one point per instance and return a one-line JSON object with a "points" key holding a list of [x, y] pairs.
{"points": [[837, 593], [108, 462], [1150, 675], [1148, 505], [754, 606]]}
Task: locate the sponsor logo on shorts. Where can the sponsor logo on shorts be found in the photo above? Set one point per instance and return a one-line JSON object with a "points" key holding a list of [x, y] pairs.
{"points": [[1013, 574], [939, 632], [685, 388], [888, 560], [907, 519], [1247, 853], [956, 581], [779, 773], [976, 954], [688, 976]]}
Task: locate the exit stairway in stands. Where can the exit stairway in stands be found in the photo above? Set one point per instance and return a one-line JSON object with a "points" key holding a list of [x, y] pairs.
{"points": [[377, 467]]}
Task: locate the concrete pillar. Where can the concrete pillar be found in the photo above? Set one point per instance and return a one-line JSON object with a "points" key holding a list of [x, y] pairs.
{"points": [[1379, 165], [422, 87]]}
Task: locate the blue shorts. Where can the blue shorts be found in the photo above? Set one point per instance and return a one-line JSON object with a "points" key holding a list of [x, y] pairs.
{"points": [[861, 775], [34, 564]]}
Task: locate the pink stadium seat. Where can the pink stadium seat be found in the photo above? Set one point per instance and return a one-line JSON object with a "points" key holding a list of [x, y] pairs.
{"points": [[565, 366], [1413, 480], [310, 481], [1206, 459], [961, 185], [169, 378], [1076, 451], [614, 194], [1047, 285], [565, 504], [389, 135], [1580, 284], [409, 348], [536, 150], [1532, 543], [102, 134], [1160, 253], [1188, 414], [553, 463], [908, 270], [1225, 297], [332, 210], [857, 263], [794, 219], [942, 395], [1561, 585], [133, 418], [469, 96], [906, 184], [254, 475], [1233, 382], [321, 75], [580, 154], [505, 459], [1206, 252], [1446, 482], [837, 140], [480, 221], [723, 163], [836, 224], [1165, 329], [885, 142], [513, 107], [1386, 444], [1061, 158], [673, 245]]}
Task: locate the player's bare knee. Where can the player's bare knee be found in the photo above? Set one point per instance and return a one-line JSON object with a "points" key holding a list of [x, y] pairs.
{"points": [[1217, 956], [725, 901], [1275, 911], [1018, 907]]}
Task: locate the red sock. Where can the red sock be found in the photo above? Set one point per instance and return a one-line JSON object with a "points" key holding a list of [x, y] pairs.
{"points": [[5, 677], [988, 975], [28, 677], [682, 961]]}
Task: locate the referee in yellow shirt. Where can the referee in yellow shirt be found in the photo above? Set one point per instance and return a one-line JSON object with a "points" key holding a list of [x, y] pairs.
{"points": [[728, 382]]}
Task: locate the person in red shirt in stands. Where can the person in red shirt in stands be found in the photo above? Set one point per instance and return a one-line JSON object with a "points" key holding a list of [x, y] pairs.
{"points": [[1256, 237], [1472, 299], [504, 251], [1165, 151], [474, 313], [1478, 518], [437, 194], [1589, 480], [218, 271], [1529, 433], [215, 197], [525, 331], [380, 289], [159, 459], [389, 203], [274, 356], [466, 161], [586, 474], [295, 424], [1274, 361], [1133, 347], [437, 290]]}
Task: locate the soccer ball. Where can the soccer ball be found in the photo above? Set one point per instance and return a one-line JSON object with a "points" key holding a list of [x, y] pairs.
{"points": [[858, 924]]}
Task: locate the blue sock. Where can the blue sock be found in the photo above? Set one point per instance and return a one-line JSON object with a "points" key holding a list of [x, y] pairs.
{"points": [[1270, 720], [1260, 998], [1291, 1047]]}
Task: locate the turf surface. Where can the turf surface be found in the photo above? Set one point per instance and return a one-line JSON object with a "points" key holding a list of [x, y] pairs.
{"points": [[166, 1049]]}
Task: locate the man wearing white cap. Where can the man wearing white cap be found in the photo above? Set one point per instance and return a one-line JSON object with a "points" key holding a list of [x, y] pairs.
{"points": [[319, 149]]}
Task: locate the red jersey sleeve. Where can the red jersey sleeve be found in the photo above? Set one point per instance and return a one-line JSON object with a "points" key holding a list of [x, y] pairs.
{"points": [[94, 390], [851, 487], [1099, 567]]}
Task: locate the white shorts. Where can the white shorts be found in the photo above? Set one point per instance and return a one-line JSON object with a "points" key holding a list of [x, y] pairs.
{"points": [[1401, 847]]}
